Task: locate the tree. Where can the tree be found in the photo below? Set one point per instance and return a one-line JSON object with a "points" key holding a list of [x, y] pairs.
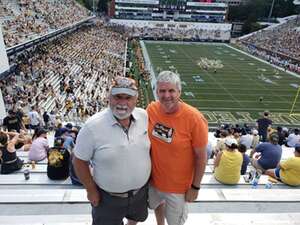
{"points": [[102, 5], [260, 9]]}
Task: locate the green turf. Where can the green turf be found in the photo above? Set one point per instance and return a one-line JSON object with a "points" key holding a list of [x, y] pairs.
{"points": [[234, 88]]}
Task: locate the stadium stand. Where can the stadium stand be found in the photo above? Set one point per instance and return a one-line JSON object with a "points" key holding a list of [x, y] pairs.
{"points": [[24, 20], [69, 79], [51, 81], [277, 44]]}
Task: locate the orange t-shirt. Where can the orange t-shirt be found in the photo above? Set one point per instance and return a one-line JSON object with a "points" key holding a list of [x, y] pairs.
{"points": [[173, 138]]}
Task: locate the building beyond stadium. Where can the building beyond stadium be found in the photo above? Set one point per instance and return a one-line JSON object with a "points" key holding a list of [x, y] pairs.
{"points": [[204, 20], [166, 10]]}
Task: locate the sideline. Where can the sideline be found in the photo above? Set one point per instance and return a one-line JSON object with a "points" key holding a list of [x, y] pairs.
{"points": [[261, 60]]}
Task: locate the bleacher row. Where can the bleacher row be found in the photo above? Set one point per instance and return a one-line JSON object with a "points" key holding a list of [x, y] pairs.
{"points": [[90, 58], [25, 20], [40, 200]]}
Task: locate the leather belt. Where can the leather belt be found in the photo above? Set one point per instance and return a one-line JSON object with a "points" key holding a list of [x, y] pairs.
{"points": [[11, 161], [125, 194]]}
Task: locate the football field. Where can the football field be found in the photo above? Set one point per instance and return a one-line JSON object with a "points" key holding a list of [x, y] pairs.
{"points": [[226, 84]]}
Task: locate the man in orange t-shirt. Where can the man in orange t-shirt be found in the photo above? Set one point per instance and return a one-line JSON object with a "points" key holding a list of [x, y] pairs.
{"points": [[179, 134]]}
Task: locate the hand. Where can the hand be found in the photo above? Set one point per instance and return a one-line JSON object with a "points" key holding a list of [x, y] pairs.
{"points": [[191, 195], [23, 131], [94, 197]]}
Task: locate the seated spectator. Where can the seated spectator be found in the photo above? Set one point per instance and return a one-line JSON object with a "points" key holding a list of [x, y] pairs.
{"points": [[10, 162], [24, 142], [246, 139], [228, 163], [209, 150], [221, 142], [74, 179], [281, 136], [58, 161], [269, 154], [58, 130], [288, 171], [242, 149], [40, 146], [293, 139], [12, 122], [69, 137]]}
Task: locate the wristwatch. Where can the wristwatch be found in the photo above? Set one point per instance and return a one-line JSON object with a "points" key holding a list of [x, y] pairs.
{"points": [[195, 187]]}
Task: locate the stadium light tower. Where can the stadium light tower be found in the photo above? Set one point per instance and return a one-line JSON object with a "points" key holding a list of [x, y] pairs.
{"points": [[94, 7], [271, 10]]}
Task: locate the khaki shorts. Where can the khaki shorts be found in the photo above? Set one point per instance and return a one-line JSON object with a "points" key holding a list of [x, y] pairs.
{"points": [[176, 210]]}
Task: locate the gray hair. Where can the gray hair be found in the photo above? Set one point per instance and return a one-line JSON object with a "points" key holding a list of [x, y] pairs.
{"points": [[169, 77]]}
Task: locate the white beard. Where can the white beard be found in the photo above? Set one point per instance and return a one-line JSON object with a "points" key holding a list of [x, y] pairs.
{"points": [[121, 112]]}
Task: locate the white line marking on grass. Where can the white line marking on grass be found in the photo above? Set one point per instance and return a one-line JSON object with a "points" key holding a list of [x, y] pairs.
{"points": [[189, 93], [261, 60], [237, 101], [247, 108], [229, 100], [295, 85], [255, 81]]}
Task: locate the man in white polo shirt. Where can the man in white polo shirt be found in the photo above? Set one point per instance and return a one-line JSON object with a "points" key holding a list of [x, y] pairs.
{"points": [[116, 142]]}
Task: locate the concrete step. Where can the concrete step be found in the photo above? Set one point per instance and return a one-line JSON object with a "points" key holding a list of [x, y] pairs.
{"points": [[193, 219], [65, 196], [208, 181]]}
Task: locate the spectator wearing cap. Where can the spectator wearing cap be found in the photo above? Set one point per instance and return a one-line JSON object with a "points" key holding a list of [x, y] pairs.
{"points": [[293, 138], [288, 171], [12, 122], [116, 141], [228, 163], [40, 146], [263, 124], [268, 154]]}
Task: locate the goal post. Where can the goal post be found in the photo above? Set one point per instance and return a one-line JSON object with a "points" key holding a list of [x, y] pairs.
{"points": [[294, 110]]}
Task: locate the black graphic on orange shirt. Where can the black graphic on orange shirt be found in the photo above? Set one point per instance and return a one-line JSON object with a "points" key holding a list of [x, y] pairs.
{"points": [[163, 132]]}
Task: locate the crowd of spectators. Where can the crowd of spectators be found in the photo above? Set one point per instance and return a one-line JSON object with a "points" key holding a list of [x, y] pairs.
{"points": [[239, 146], [176, 33], [279, 45], [67, 77], [23, 20]]}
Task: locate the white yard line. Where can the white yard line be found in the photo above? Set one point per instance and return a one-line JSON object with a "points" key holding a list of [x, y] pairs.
{"points": [[236, 100], [261, 60]]}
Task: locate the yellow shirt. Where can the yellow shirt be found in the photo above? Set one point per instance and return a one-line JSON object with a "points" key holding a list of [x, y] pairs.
{"points": [[290, 171], [229, 169]]}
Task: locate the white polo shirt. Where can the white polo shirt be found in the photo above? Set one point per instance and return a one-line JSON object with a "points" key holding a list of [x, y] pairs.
{"points": [[121, 162]]}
